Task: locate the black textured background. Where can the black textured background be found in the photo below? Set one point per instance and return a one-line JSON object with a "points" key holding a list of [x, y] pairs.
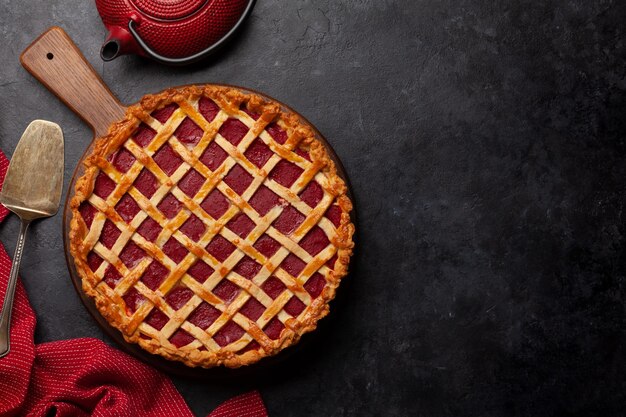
{"points": [[485, 142]]}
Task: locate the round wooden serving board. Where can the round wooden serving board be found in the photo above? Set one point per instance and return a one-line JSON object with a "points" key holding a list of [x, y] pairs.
{"points": [[56, 62]]}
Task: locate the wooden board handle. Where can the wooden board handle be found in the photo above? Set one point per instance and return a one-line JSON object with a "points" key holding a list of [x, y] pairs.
{"points": [[57, 63]]}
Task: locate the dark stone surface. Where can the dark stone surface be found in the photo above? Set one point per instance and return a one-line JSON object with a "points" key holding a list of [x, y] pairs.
{"points": [[485, 142]]}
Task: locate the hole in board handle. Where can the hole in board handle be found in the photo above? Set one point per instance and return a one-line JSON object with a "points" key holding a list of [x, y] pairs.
{"points": [[49, 55]]}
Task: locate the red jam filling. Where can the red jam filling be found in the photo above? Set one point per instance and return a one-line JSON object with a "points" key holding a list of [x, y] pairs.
{"points": [[233, 130], [122, 159], [193, 228], [252, 114], [191, 182], [241, 225], [178, 297], [154, 275], [267, 245], [274, 328], [286, 173], [144, 135], [215, 204], [188, 132], [175, 250], [315, 285], [204, 315], [146, 183], [127, 208], [109, 234], [111, 276], [273, 287], [278, 134], [312, 194], [315, 241], [231, 332], [170, 206], [167, 159], [331, 262], [149, 229], [334, 215], [200, 271], [226, 290], [157, 319], [208, 109], [131, 255], [238, 179], [303, 153], [252, 309], [247, 267], [94, 261], [264, 200], [293, 265], [133, 300], [103, 185], [213, 156], [88, 212], [288, 221], [164, 113], [294, 306], [181, 338], [258, 153], [220, 248]]}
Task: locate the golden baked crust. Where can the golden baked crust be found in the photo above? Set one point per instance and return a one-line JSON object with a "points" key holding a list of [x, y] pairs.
{"points": [[203, 350]]}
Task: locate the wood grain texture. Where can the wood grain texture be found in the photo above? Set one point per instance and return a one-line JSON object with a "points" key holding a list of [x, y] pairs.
{"points": [[56, 61]]}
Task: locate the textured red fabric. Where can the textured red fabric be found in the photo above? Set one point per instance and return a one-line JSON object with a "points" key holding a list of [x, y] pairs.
{"points": [[85, 377]]}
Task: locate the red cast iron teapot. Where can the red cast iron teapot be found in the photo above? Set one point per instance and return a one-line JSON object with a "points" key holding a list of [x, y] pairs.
{"points": [[173, 32]]}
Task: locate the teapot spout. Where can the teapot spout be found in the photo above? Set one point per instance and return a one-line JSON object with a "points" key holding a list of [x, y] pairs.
{"points": [[119, 42]]}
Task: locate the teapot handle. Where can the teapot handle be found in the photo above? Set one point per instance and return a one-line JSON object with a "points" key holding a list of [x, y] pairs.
{"points": [[192, 58]]}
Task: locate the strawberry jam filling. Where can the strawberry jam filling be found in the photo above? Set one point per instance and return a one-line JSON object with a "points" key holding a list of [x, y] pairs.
{"points": [[200, 271], [131, 255], [253, 345], [167, 159], [127, 208], [191, 182], [157, 319], [267, 245], [144, 135], [189, 133], [122, 160], [170, 206], [175, 250], [286, 173], [87, 212], [94, 261], [233, 130], [334, 215], [204, 315], [178, 297], [294, 306], [241, 225], [164, 113], [264, 200], [220, 248], [109, 234], [238, 179], [274, 328], [293, 265], [111, 276], [181, 338], [231, 332], [149, 229], [193, 228], [273, 287], [315, 241], [146, 183], [312, 194], [252, 309], [133, 300], [276, 132], [213, 156], [288, 221], [215, 204], [226, 290], [258, 153], [208, 108], [315, 285], [247, 267], [103, 185], [154, 275]]}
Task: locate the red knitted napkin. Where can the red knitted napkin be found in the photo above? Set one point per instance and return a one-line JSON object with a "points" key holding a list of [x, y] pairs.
{"points": [[85, 377]]}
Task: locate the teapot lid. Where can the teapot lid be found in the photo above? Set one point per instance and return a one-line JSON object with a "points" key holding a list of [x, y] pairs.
{"points": [[169, 9]]}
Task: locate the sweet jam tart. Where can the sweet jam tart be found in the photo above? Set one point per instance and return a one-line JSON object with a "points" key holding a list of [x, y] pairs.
{"points": [[211, 227]]}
